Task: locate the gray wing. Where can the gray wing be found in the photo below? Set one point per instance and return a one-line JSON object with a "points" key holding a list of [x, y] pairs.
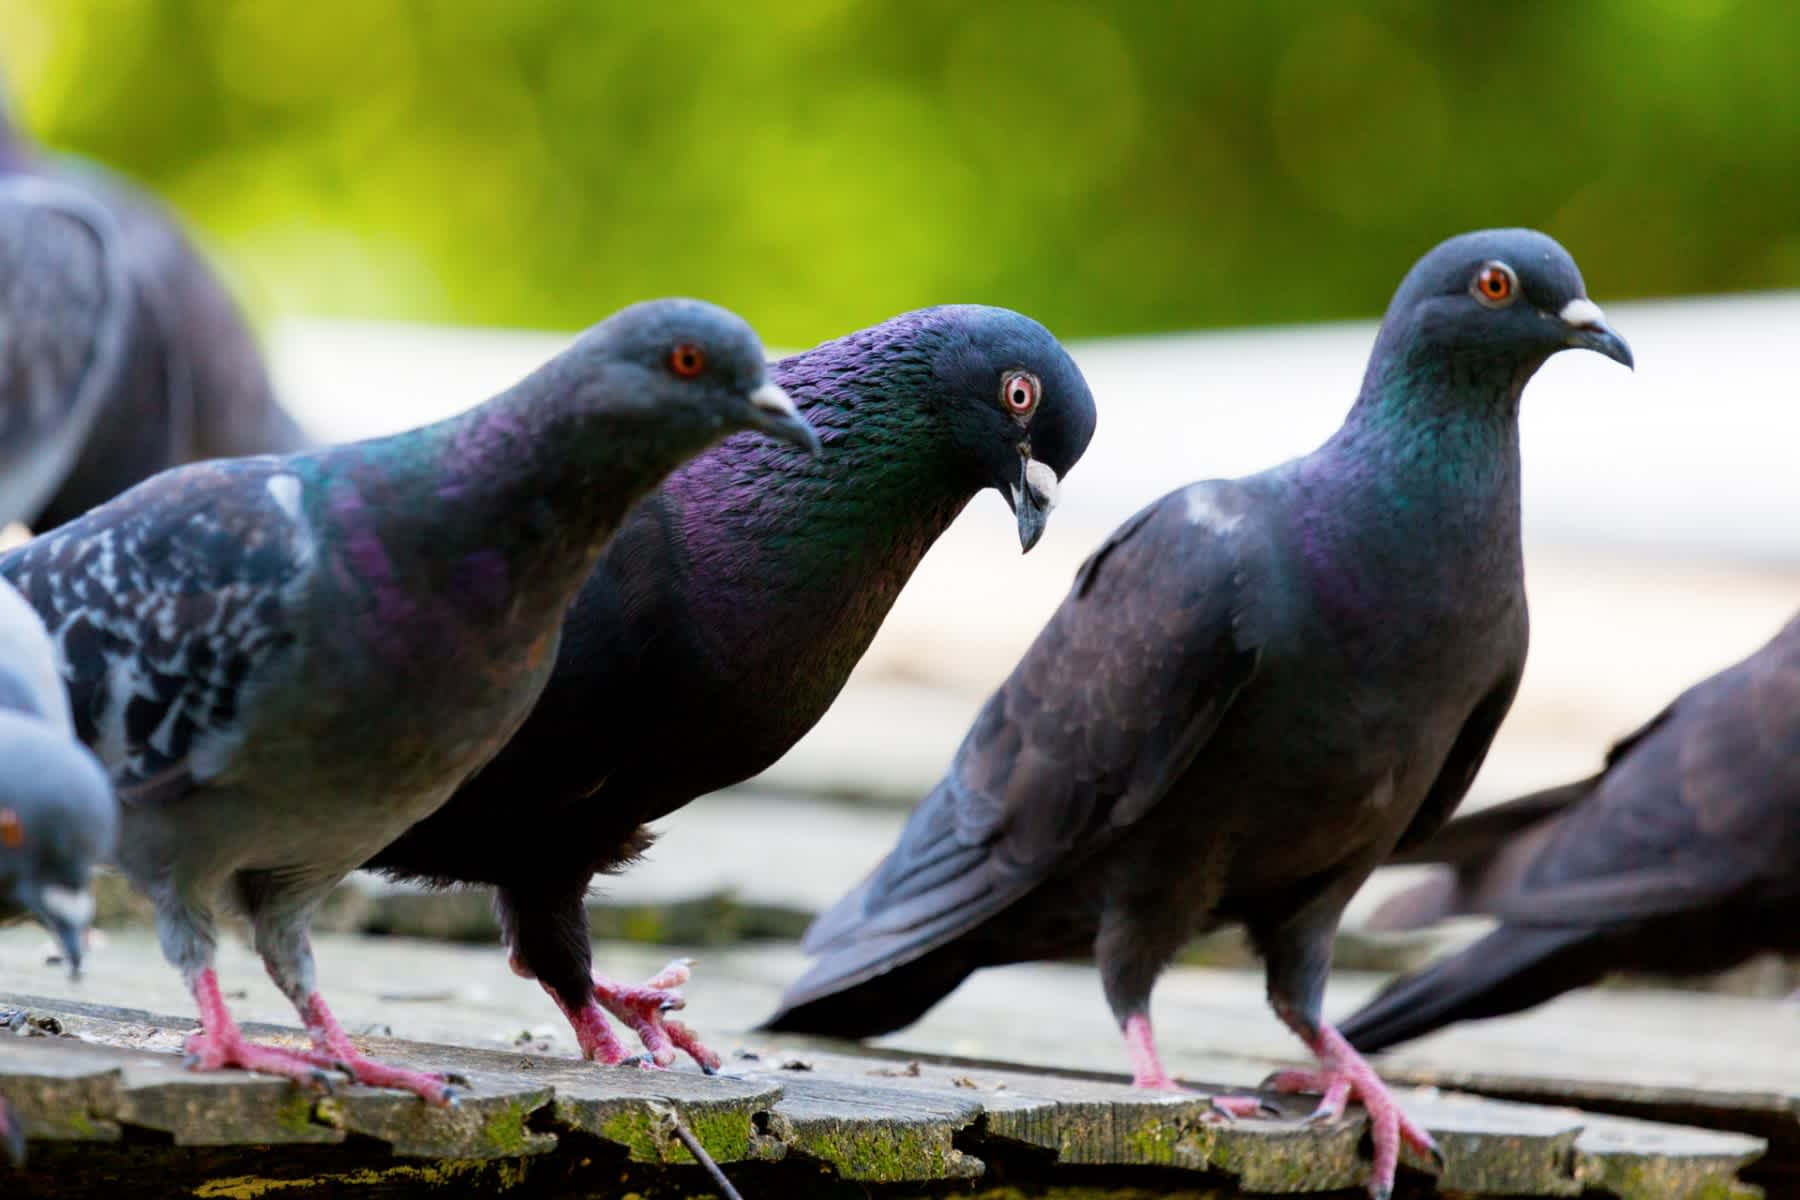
{"points": [[65, 305], [167, 607], [1109, 706]]}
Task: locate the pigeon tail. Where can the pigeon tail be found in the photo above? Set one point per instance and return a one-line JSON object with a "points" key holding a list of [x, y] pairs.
{"points": [[1510, 969], [878, 1004]]}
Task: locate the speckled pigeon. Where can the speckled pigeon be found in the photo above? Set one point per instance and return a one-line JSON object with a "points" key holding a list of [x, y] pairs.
{"points": [[284, 661], [187, 382], [57, 813], [1682, 856], [1254, 691], [727, 614], [65, 316]]}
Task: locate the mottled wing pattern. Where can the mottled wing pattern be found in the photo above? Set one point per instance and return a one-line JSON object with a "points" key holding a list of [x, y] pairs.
{"points": [[165, 605], [1702, 807], [1107, 708], [65, 305]]}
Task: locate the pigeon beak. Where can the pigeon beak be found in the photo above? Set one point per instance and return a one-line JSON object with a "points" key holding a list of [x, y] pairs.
{"points": [[1032, 498], [65, 912], [1588, 330], [772, 412]]}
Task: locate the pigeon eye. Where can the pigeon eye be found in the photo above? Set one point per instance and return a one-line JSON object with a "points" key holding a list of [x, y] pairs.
{"points": [[1019, 390], [1495, 284], [12, 830], [687, 360]]}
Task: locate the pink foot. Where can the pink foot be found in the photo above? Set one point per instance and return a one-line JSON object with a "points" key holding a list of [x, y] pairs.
{"points": [[220, 1044], [333, 1047], [1342, 1075], [644, 1010], [1146, 1066]]}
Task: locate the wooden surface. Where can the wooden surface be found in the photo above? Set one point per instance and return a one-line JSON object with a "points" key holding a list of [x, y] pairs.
{"points": [[110, 1079]]}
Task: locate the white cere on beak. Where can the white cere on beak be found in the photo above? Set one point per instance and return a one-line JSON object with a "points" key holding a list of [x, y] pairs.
{"points": [[1582, 313], [772, 399], [1041, 479], [74, 906]]}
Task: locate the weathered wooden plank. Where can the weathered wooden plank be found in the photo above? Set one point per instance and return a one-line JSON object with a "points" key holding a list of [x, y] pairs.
{"points": [[60, 1090], [866, 1119]]}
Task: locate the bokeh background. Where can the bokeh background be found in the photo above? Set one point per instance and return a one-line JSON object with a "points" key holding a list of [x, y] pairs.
{"points": [[821, 164]]}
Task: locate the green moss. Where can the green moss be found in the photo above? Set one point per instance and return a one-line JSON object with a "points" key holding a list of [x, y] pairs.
{"points": [[295, 1112], [1653, 1179], [506, 1132], [887, 1155]]}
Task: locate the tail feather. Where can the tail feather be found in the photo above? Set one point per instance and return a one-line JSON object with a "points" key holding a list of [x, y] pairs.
{"points": [[1423, 904], [1482, 850], [1510, 969], [880, 1003], [1470, 840]]}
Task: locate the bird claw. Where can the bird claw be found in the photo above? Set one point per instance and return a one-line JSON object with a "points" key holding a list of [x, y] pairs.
{"points": [[644, 1010], [1227, 1109]]}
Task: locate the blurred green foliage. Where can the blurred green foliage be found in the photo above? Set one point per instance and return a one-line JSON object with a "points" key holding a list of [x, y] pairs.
{"points": [[821, 164]]}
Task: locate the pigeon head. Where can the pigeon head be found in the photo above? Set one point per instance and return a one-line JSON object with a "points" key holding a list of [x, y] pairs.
{"points": [[1017, 405], [683, 359], [57, 819], [1499, 302]]}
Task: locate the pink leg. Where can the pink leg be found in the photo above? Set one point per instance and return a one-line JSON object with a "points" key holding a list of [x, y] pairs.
{"points": [[593, 1036], [1146, 1065], [1343, 1074], [220, 1044], [333, 1046], [644, 1008]]}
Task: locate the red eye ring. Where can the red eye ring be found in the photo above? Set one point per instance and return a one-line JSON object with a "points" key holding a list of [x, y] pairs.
{"points": [[1019, 391], [1494, 284], [687, 360]]}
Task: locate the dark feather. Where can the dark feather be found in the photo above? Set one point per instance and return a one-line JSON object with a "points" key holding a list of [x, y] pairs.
{"points": [[1678, 857]]}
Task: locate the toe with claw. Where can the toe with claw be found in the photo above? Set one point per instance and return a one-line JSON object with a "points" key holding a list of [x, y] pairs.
{"points": [[644, 1008]]}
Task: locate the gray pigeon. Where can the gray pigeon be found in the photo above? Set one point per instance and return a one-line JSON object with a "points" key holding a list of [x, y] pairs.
{"points": [[1254, 691], [65, 317], [284, 661], [57, 813], [1680, 857], [186, 380]]}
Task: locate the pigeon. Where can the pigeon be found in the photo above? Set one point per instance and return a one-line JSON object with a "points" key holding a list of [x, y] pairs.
{"points": [[65, 307], [181, 377], [57, 812], [1678, 858], [726, 616], [1254, 690], [284, 661]]}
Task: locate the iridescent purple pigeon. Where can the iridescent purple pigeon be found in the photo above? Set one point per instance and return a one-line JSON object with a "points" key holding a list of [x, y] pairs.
{"points": [[1255, 689], [284, 661], [727, 614]]}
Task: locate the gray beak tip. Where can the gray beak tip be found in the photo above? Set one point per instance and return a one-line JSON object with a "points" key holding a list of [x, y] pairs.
{"points": [[774, 413], [1589, 330]]}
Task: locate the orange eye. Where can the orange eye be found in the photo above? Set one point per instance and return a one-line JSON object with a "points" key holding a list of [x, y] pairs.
{"points": [[687, 360], [1495, 284], [1020, 389], [12, 830]]}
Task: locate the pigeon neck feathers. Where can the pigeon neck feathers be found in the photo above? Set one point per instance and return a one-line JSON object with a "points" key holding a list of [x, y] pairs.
{"points": [[496, 512], [1418, 490], [829, 540]]}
